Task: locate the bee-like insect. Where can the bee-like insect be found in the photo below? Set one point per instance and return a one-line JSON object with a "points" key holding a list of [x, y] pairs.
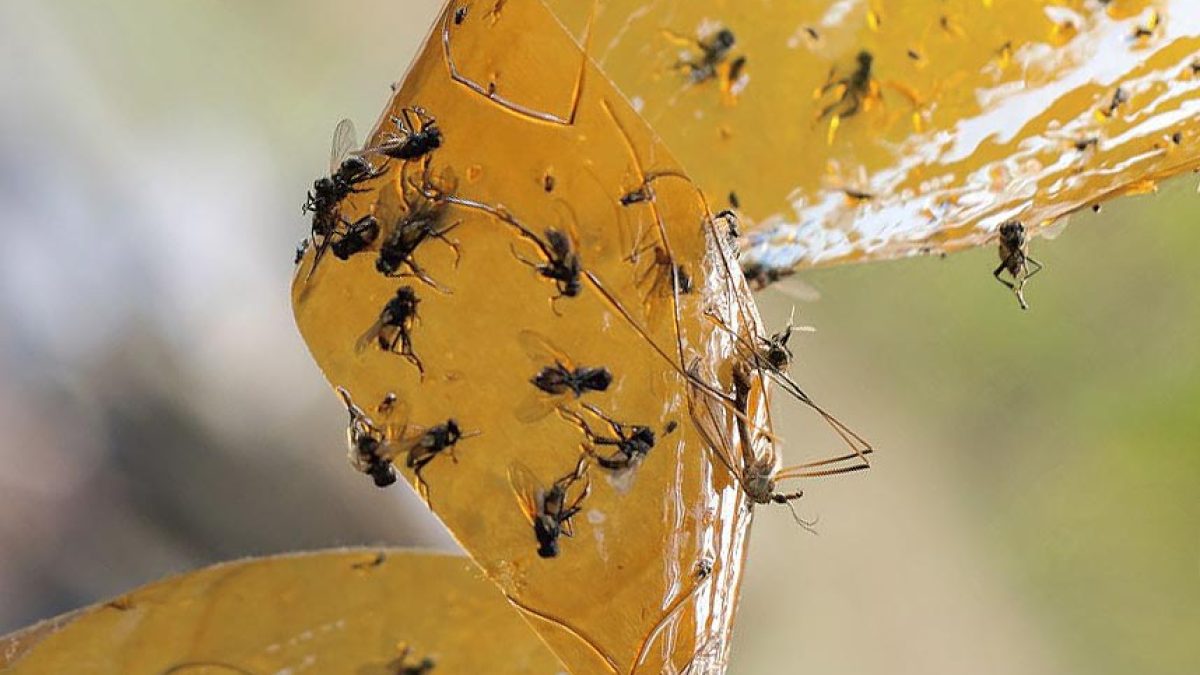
{"points": [[347, 172], [632, 442], [393, 330], [358, 236], [1014, 259], [550, 510], [425, 210], [714, 50], [417, 134], [853, 90], [368, 445]]}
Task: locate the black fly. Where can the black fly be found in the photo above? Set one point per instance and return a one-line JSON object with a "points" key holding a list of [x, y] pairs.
{"points": [[854, 89], [325, 199], [713, 51], [1014, 258], [358, 236], [632, 442], [418, 134], [393, 331], [368, 445], [548, 509], [422, 221]]}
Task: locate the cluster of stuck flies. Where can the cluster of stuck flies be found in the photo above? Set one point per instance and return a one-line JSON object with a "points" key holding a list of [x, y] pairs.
{"points": [[607, 443], [845, 95]]}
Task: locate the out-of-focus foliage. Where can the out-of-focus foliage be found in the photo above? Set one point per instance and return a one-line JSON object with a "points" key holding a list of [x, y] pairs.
{"points": [[535, 141], [368, 612], [969, 113]]}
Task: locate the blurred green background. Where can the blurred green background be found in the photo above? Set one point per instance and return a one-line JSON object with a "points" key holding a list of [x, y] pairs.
{"points": [[1035, 507]]}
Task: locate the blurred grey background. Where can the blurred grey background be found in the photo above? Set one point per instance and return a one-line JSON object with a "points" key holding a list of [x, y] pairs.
{"points": [[1035, 507]]}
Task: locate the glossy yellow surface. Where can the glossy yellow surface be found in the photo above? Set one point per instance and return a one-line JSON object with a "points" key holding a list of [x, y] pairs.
{"points": [[977, 111], [536, 138], [350, 611]]}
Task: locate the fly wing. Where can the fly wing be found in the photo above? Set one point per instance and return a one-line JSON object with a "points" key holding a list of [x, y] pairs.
{"points": [[542, 351], [368, 337], [345, 140], [526, 488]]}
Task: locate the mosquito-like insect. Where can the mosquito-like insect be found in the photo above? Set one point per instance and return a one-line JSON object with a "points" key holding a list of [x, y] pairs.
{"points": [[758, 472], [557, 377], [425, 210], [1014, 259], [714, 50], [550, 510], [346, 173], [417, 134], [773, 357], [631, 442], [562, 264], [853, 90], [393, 330], [358, 236]]}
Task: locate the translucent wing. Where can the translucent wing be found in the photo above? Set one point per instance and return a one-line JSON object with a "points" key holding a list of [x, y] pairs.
{"points": [[345, 141], [535, 404], [541, 351], [526, 489]]}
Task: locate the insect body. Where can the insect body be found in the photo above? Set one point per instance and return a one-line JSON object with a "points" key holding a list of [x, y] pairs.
{"points": [[1014, 259], [428, 445], [562, 377], [324, 201], [422, 221], [393, 331], [358, 236], [414, 139], [562, 264], [713, 51], [632, 442], [550, 510], [854, 89], [368, 445]]}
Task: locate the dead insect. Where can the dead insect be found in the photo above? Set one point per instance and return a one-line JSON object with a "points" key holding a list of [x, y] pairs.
{"points": [[732, 222], [547, 509], [713, 51], [549, 183], [662, 276], [401, 664], [760, 276], [460, 15], [387, 404], [758, 473], [425, 210], [426, 447], [301, 249], [1084, 144], [632, 442], [417, 134], [1149, 28], [562, 377], [852, 91], [393, 330], [368, 445], [562, 265], [683, 280], [358, 236], [772, 357], [1014, 258], [347, 172], [1119, 98], [638, 196]]}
